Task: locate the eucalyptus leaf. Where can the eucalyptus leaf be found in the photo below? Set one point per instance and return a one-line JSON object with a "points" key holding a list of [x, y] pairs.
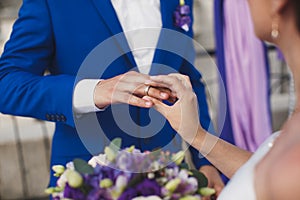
{"points": [[184, 166], [82, 166], [201, 178]]}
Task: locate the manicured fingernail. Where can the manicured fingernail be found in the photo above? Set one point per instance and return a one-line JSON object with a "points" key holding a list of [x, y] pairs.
{"points": [[148, 103], [146, 98], [163, 95]]}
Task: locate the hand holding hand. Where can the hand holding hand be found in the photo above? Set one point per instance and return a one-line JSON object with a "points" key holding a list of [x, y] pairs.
{"points": [[183, 115], [127, 88]]}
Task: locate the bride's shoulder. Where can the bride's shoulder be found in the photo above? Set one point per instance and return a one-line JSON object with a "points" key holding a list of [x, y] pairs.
{"points": [[286, 174], [292, 126]]}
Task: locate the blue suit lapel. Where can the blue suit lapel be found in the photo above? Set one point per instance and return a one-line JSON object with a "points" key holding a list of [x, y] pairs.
{"points": [[109, 16], [161, 57]]}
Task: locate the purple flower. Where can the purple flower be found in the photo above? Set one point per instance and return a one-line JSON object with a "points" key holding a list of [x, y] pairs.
{"points": [[91, 180], [132, 161], [145, 188], [98, 194], [125, 161], [121, 179], [107, 172], [182, 17], [73, 193], [128, 194], [152, 188]]}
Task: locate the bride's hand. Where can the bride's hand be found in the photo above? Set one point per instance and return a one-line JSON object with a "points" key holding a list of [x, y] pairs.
{"points": [[183, 115]]}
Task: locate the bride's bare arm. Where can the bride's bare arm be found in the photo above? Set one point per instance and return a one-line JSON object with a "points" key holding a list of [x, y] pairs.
{"points": [[223, 155], [183, 117]]}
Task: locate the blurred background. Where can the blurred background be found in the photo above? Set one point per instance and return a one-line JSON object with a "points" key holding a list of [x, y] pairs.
{"points": [[25, 143]]}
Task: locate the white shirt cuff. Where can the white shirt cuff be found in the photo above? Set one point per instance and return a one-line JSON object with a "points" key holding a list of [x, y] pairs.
{"points": [[83, 98]]}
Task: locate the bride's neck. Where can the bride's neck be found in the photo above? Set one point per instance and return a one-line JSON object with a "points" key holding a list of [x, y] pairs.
{"points": [[290, 46]]}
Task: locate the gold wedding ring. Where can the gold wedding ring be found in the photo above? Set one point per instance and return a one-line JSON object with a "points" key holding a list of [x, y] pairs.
{"points": [[147, 88]]}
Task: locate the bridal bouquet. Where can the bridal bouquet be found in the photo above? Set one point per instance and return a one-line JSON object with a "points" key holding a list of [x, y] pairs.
{"points": [[129, 174]]}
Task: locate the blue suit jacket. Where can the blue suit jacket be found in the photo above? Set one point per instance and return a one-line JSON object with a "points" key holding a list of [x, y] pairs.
{"points": [[57, 35]]}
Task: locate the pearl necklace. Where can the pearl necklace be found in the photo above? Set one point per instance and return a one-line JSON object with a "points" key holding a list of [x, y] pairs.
{"points": [[271, 143]]}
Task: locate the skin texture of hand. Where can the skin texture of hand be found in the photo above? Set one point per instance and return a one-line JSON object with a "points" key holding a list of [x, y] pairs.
{"points": [[127, 88], [183, 115], [214, 179]]}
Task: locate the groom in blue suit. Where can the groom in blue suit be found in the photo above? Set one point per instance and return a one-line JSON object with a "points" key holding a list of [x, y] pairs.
{"points": [[56, 36]]}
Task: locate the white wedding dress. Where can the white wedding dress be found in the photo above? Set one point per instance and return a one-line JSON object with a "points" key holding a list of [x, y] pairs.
{"points": [[241, 186]]}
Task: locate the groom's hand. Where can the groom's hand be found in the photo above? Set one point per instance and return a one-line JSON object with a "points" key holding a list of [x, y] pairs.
{"points": [[127, 88]]}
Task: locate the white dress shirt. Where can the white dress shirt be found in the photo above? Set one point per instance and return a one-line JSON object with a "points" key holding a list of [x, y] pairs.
{"points": [[134, 15]]}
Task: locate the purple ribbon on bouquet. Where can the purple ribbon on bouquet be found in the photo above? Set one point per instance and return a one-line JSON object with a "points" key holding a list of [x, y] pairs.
{"points": [[182, 17]]}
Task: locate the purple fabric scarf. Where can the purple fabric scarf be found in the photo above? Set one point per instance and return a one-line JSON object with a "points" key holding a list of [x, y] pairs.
{"points": [[246, 77]]}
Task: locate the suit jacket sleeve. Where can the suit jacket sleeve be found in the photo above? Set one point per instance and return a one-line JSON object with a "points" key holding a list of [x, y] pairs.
{"points": [[24, 89]]}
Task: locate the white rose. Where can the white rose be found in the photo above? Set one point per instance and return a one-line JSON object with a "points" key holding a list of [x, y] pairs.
{"points": [[100, 159]]}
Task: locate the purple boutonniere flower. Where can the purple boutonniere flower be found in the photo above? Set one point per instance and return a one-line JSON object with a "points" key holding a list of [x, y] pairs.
{"points": [[182, 17]]}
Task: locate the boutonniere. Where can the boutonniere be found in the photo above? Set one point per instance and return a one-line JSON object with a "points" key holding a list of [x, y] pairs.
{"points": [[182, 17]]}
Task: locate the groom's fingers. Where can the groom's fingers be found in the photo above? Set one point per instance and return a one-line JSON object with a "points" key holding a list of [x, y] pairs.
{"points": [[184, 79], [133, 100]]}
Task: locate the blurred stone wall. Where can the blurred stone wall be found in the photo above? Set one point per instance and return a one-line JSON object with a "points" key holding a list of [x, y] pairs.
{"points": [[24, 142]]}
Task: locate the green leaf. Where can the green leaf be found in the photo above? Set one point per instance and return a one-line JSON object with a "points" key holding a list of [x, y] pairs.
{"points": [[201, 178], [82, 166], [116, 144], [184, 166], [206, 191]]}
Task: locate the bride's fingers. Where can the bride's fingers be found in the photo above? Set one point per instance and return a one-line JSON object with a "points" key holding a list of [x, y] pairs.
{"points": [[185, 79], [164, 79], [156, 84], [159, 105], [172, 82]]}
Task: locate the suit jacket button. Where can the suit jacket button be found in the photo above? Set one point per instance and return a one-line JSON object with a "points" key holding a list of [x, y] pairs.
{"points": [[53, 118], [58, 118], [48, 117], [63, 118]]}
